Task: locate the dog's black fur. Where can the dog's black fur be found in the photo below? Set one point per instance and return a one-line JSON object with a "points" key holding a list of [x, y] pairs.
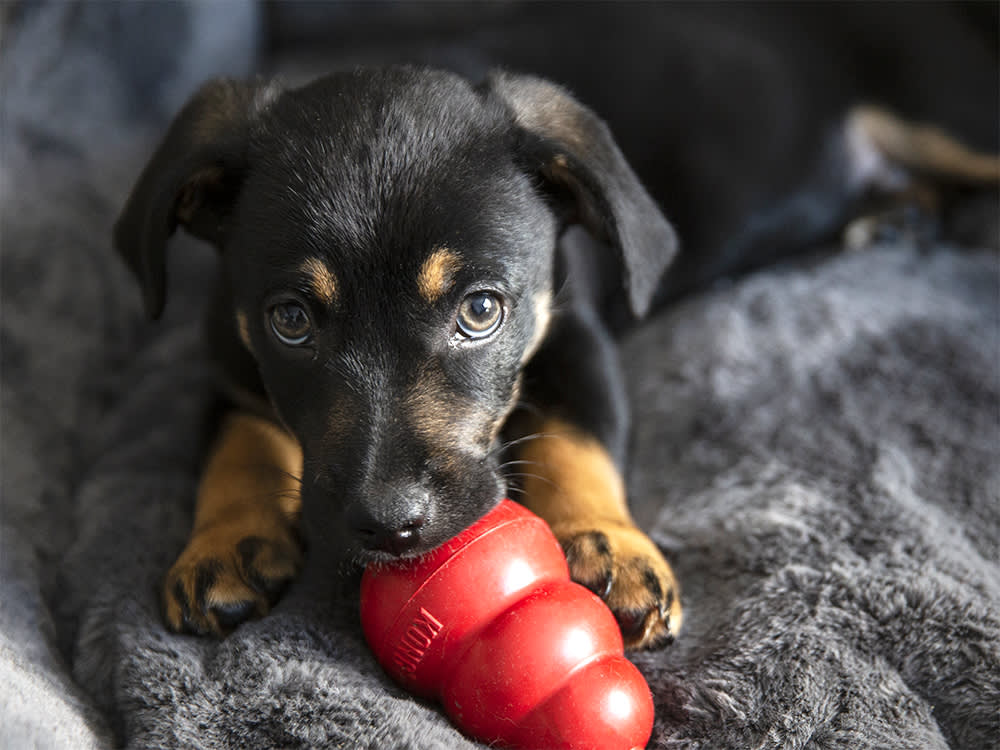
{"points": [[402, 419], [412, 160]]}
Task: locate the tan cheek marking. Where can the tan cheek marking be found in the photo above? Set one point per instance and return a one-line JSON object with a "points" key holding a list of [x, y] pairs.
{"points": [[571, 477], [437, 274], [446, 422], [243, 328], [340, 423], [543, 317], [501, 420], [322, 281]]}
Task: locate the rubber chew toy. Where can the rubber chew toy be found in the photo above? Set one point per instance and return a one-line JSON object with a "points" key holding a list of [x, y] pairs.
{"points": [[490, 624]]}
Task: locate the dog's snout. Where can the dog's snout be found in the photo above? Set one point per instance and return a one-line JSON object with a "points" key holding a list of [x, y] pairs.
{"points": [[396, 540], [394, 525]]}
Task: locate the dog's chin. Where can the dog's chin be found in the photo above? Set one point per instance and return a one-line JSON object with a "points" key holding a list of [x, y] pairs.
{"points": [[362, 558]]}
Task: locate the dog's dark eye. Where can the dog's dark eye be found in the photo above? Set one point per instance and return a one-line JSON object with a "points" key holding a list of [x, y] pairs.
{"points": [[290, 323], [479, 315]]}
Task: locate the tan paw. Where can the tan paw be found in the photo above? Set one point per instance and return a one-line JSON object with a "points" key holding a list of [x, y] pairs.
{"points": [[622, 565], [228, 574]]}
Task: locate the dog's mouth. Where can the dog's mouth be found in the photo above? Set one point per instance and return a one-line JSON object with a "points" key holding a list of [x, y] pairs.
{"points": [[436, 532], [337, 535], [369, 557], [400, 512]]}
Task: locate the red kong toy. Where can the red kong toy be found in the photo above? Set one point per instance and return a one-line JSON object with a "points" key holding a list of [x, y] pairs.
{"points": [[490, 624]]}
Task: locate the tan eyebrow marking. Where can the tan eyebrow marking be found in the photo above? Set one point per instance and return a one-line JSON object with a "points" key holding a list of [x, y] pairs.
{"points": [[437, 274], [321, 280]]}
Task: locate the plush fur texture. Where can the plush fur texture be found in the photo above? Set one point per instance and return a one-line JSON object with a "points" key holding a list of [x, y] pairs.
{"points": [[816, 449]]}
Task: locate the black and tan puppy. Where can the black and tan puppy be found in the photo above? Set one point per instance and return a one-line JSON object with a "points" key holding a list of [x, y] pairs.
{"points": [[397, 331], [406, 336]]}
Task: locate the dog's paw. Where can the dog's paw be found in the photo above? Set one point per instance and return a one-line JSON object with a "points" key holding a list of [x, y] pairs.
{"points": [[622, 565], [228, 574]]}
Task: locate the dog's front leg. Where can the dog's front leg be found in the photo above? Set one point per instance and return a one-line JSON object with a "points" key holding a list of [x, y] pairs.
{"points": [[244, 547], [569, 452]]}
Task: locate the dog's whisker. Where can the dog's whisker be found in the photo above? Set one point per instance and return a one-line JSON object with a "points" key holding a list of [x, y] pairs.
{"points": [[518, 462], [528, 406], [524, 439], [276, 495], [288, 474], [560, 299], [530, 475], [256, 466], [516, 441]]}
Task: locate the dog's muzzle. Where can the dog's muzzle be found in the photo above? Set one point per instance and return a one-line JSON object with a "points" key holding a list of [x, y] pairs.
{"points": [[394, 524]]}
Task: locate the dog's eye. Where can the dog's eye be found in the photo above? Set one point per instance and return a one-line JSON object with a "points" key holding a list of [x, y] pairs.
{"points": [[290, 323], [479, 315]]}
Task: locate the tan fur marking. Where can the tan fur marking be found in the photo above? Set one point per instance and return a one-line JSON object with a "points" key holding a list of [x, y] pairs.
{"points": [[543, 317], [633, 555], [924, 148], [253, 462], [321, 280], [575, 477], [512, 403], [243, 328], [249, 491], [437, 274], [543, 107], [573, 484], [446, 422], [339, 425]]}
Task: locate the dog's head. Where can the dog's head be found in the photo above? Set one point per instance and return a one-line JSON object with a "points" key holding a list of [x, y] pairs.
{"points": [[388, 240]]}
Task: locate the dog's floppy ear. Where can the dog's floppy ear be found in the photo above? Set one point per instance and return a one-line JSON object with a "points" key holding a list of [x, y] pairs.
{"points": [[572, 147], [192, 180]]}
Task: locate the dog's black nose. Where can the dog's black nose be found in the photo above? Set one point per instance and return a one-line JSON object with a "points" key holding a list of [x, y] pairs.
{"points": [[395, 529], [394, 540]]}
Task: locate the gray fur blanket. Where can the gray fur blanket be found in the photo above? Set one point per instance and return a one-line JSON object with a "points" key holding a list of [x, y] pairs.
{"points": [[816, 449]]}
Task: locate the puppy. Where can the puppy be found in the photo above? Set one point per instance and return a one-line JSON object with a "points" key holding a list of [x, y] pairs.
{"points": [[404, 329], [401, 340]]}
